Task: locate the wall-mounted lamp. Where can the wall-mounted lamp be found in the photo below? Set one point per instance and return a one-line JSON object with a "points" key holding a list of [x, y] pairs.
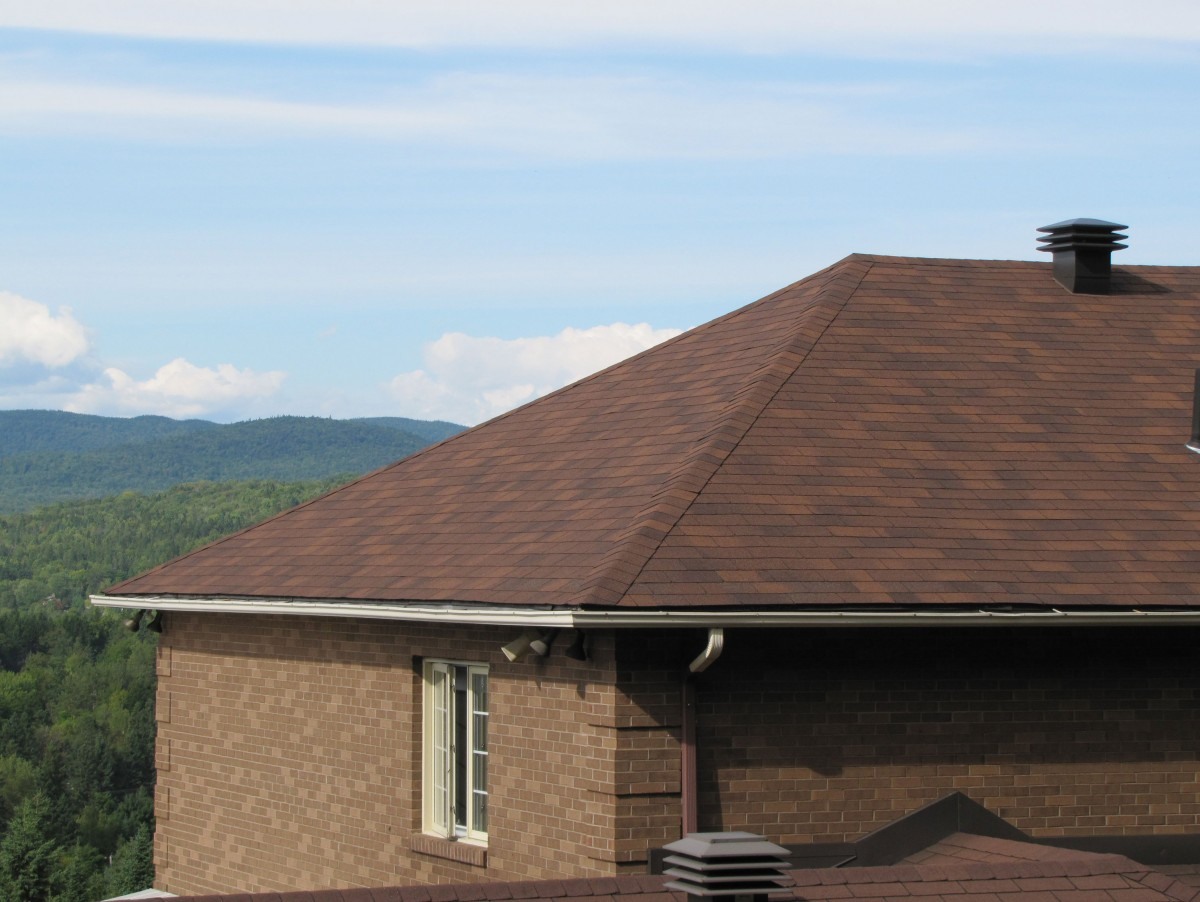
{"points": [[577, 650], [529, 642], [134, 623], [519, 647], [541, 645]]}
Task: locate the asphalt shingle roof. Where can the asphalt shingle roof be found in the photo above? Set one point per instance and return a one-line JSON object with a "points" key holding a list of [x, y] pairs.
{"points": [[960, 848], [1086, 878], [889, 431]]}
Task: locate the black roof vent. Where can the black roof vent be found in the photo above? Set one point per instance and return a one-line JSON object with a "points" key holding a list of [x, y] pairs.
{"points": [[733, 864], [1082, 250]]}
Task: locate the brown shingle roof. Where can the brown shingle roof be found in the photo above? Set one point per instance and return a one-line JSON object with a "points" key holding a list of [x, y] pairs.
{"points": [[888, 431], [1099, 878], [959, 848], [1084, 878]]}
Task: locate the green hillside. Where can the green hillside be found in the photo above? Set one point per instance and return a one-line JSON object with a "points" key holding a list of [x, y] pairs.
{"points": [[32, 431], [65, 552], [430, 430], [157, 455], [77, 690]]}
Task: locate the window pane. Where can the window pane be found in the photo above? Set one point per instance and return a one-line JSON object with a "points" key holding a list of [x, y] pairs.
{"points": [[462, 714], [440, 748], [479, 755], [479, 797]]}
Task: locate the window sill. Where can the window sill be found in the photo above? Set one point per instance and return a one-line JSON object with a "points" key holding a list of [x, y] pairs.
{"points": [[453, 850]]}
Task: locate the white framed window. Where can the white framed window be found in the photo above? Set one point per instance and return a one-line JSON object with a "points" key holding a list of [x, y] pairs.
{"points": [[455, 761]]}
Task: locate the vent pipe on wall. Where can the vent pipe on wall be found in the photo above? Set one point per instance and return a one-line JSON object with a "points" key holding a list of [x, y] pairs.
{"points": [[689, 812], [1082, 250]]}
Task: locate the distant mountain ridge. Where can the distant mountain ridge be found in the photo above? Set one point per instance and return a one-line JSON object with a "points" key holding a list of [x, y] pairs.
{"points": [[51, 456], [431, 430], [31, 431]]}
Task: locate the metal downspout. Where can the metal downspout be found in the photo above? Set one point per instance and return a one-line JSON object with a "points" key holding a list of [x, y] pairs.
{"points": [[688, 776]]}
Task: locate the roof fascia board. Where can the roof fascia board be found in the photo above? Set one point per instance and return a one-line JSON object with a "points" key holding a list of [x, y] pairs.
{"points": [[626, 619]]}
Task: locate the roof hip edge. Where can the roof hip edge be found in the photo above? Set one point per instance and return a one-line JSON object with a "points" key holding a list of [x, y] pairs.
{"points": [[631, 552]]}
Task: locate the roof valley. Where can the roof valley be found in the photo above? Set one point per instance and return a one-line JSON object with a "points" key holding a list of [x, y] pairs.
{"points": [[634, 548]]}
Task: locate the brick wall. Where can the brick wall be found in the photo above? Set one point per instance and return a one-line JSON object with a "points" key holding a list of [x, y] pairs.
{"points": [[826, 735], [646, 719], [289, 756], [289, 748]]}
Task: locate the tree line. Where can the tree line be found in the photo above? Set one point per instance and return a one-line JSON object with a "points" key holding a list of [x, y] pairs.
{"points": [[50, 456], [77, 689]]}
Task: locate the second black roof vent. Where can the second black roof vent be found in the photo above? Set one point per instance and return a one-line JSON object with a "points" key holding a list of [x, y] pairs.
{"points": [[1082, 250]]}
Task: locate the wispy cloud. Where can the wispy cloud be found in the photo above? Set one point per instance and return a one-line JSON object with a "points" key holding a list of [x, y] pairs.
{"points": [[572, 118], [855, 27], [468, 379], [68, 106]]}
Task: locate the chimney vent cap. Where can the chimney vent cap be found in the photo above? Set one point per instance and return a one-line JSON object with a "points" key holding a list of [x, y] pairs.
{"points": [[1082, 235], [1084, 224], [1082, 251], [732, 844], [725, 864]]}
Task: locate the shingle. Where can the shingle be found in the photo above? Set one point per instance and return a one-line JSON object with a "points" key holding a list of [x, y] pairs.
{"points": [[415, 894]]}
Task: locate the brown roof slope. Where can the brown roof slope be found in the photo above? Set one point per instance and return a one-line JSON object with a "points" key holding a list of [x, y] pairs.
{"points": [[887, 431], [961, 848], [558, 502], [970, 433], [1094, 879], [1085, 879]]}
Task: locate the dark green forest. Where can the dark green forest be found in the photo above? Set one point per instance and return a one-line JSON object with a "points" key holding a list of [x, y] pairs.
{"points": [[51, 456], [31, 431], [77, 688]]}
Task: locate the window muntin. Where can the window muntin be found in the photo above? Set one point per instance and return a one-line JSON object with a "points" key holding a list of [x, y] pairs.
{"points": [[456, 756]]}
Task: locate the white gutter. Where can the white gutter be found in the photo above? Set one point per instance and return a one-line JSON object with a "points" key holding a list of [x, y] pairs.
{"points": [[442, 613], [574, 618]]}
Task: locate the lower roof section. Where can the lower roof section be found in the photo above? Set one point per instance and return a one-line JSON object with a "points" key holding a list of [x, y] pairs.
{"points": [[582, 618]]}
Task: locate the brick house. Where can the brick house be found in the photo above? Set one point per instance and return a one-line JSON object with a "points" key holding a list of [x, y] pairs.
{"points": [[902, 528]]}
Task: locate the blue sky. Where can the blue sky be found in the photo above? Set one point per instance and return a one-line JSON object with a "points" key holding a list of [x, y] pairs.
{"points": [[356, 208]]}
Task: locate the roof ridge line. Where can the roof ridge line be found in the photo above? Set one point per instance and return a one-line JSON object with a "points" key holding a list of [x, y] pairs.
{"points": [[637, 544]]}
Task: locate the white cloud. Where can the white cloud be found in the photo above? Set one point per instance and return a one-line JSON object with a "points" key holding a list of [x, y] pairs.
{"points": [[178, 389], [857, 27], [30, 333], [468, 379]]}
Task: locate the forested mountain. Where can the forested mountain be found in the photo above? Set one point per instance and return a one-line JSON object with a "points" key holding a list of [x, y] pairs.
{"points": [[430, 430], [60, 554], [28, 431], [99, 456], [77, 690]]}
